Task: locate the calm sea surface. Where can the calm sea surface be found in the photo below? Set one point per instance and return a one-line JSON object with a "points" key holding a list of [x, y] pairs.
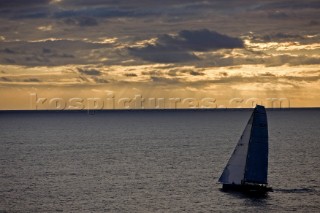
{"points": [[151, 161]]}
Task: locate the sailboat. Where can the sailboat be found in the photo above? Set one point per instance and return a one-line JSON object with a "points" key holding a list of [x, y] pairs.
{"points": [[247, 168]]}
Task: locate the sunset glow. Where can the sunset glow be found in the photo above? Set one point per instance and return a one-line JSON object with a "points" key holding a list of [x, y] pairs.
{"points": [[177, 49]]}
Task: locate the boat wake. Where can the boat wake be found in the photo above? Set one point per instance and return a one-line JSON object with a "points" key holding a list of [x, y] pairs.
{"points": [[297, 190]]}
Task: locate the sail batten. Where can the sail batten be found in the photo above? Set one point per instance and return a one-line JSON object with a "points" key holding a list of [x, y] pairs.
{"points": [[249, 160]]}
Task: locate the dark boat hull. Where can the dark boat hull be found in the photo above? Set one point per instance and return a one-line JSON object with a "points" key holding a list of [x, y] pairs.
{"points": [[246, 188]]}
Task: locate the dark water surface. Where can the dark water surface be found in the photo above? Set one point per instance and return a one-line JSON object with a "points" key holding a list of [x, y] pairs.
{"points": [[151, 161]]}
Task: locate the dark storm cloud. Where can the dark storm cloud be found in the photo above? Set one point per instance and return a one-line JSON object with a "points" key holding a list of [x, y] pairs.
{"points": [[178, 48]]}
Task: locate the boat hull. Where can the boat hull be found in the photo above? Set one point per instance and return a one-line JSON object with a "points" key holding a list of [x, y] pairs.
{"points": [[246, 188]]}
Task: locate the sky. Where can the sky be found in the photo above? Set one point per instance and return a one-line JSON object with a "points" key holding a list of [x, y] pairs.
{"points": [[125, 54]]}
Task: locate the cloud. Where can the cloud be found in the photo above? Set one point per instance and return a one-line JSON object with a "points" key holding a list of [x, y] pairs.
{"points": [[291, 60], [279, 37], [8, 51], [236, 79], [100, 80], [267, 74], [180, 47], [5, 79], [153, 73], [164, 80], [31, 80], [160, 54], [31, 15], [19, 9], [287, 4], [19, 79], [278, 15], [22, 3], [101, 12], [201, 40], [81, 21], [50, 52], [89, 71], [180, 72], [314, 23], [130, 74], [9, 61], [282, 36], [195, 73], [125, 3]]}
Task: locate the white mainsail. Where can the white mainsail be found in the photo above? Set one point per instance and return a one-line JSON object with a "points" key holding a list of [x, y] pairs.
{"points": [[233, 173]]}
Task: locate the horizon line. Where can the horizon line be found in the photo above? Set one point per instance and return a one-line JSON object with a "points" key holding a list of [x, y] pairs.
{"points": [[156, 109]]}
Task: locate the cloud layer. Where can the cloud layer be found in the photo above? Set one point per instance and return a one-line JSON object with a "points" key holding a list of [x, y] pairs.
{"points": [[270, 46], [180, 47]]}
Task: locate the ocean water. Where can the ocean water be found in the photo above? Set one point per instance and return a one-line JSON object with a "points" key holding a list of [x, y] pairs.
{"points": [[151, 161]]}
